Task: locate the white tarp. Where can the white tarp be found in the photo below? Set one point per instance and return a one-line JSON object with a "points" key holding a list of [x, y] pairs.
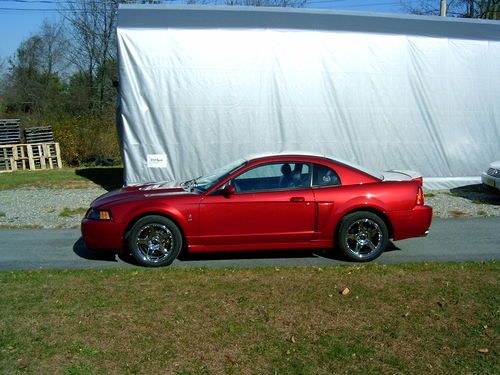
{"points": [[202, 87]]}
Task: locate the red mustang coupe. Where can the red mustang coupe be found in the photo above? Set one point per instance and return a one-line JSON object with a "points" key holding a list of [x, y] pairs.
{"points": [[272, 202]]}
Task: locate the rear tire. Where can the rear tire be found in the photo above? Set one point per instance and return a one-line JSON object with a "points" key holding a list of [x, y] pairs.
{"points": [[154, 241], [362, 236]]}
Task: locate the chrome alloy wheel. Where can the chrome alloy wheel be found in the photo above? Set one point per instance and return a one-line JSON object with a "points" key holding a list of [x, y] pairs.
{"points": [[155, 242], [364, 238]]}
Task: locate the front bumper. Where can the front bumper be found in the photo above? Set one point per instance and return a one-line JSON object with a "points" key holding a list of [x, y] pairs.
{"points": [[102, 234], [493, 182]]}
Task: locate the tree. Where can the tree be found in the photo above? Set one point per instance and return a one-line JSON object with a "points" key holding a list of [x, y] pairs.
{"points": [[489, 9], [32, 83]]}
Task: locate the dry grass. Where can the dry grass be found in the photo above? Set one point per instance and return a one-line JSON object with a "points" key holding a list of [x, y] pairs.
{"points": [[397, 320], [458, 213], [68, 212]]}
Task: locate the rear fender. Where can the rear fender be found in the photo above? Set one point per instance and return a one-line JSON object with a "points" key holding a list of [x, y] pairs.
{"points": [[358, 203], [366, 203]]}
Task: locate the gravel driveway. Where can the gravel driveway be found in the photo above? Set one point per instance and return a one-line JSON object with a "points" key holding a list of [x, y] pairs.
{"points": [[64, 208], [45, 208]]}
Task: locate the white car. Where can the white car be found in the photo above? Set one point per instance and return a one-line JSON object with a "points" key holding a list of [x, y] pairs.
{"points": [[491, 177]]}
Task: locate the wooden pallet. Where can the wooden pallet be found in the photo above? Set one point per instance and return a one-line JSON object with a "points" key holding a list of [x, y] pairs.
{"points": [[10, 132], [31, 156], [40, 134]]}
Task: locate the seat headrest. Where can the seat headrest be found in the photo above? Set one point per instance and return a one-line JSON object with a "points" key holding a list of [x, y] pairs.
{"points": [[286, 169]]}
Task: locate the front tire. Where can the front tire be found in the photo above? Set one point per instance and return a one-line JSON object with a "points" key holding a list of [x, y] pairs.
{"points": [[362, 236], [154, 241]]}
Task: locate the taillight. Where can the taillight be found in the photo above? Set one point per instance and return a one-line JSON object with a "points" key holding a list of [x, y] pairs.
{"points": [[420, 197]]}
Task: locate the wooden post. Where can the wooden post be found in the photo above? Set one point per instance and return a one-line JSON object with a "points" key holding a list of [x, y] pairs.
{"points": [[23, 154], [31, 161], [42, 157], [46, 155], [13, 164], [58, 155], [15, 158]]}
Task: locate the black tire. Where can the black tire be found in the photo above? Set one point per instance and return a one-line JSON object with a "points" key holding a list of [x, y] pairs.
{"points": [[362, 236], [154, 241]]}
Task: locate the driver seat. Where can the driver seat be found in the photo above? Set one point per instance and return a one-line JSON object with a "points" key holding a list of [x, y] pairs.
{"points": [[286, 178]]}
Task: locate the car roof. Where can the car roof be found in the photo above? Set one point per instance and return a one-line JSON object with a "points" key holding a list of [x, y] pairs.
{"points": [[266, 155]]}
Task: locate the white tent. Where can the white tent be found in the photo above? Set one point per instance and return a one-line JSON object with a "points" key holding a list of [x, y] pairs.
{"points": [[201, 87]]}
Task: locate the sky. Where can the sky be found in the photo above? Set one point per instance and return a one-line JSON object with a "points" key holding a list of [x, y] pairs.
{"points": [[19, 19]]}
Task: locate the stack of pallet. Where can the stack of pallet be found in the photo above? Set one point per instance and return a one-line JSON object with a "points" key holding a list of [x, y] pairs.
{"points": [[10, 135], [39, 152]]}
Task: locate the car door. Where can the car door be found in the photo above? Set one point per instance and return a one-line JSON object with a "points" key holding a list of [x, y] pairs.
{"points": [[266, 207]]}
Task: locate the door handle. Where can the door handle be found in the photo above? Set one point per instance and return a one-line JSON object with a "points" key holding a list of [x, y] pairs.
{"points": [[297, 199]]}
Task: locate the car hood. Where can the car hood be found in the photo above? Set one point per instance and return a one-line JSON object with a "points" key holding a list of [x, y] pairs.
{"points": [[495, 164], [140, 192]]}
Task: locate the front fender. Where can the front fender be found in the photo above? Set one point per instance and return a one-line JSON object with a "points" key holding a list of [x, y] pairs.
{"points": [[180, 216]]}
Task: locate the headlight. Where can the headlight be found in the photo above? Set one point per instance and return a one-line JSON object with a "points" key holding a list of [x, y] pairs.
{"points": [[98, 214]]}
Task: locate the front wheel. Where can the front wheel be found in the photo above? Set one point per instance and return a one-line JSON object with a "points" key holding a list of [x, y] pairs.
{"points": [[154, 241], [362, 236]]}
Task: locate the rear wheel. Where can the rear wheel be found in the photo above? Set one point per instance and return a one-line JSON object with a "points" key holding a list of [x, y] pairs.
{"points": [[362, 236], [154, 241]]}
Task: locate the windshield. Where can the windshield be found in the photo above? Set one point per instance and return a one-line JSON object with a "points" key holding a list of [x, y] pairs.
{"points": [[205, 182]]}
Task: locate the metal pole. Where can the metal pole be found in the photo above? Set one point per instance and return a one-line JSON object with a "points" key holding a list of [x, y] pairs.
{"points": [[443, 8]]}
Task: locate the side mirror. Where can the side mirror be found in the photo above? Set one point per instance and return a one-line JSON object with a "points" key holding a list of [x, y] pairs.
{"points": [[228, 191]]}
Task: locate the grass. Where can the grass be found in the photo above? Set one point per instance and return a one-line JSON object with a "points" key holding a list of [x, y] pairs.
{"points": [[66, 178], [30, 226], [477, 201], [68, 212], [406, 319]]}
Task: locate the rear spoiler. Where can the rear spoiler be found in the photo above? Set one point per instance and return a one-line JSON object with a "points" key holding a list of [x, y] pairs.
{"points": [[397, 175]]}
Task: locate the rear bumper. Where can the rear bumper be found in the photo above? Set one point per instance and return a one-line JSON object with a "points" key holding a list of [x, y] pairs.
{"points": [[101, 234], [411, 223]]}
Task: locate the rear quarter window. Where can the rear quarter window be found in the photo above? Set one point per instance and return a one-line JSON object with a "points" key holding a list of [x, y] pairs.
{"points": [[324, 176]]}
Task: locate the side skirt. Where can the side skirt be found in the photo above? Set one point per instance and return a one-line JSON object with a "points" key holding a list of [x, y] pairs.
{"points": [[267, 246]]}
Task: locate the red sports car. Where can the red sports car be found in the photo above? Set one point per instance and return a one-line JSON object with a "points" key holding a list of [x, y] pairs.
{"points": [[272, 202]]}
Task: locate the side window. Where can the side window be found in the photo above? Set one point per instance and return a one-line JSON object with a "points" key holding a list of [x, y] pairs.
{"points": [[273, 176], [324, 176]]}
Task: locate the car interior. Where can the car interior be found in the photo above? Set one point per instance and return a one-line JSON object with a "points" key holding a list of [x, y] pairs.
{"points": [[279, 176]]}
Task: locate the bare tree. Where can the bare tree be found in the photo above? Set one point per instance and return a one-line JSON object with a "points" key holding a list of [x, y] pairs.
{"points": [[489, 9], [92, 31], [54, 48], [3, 65], [256, 3], [3, 78]]}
